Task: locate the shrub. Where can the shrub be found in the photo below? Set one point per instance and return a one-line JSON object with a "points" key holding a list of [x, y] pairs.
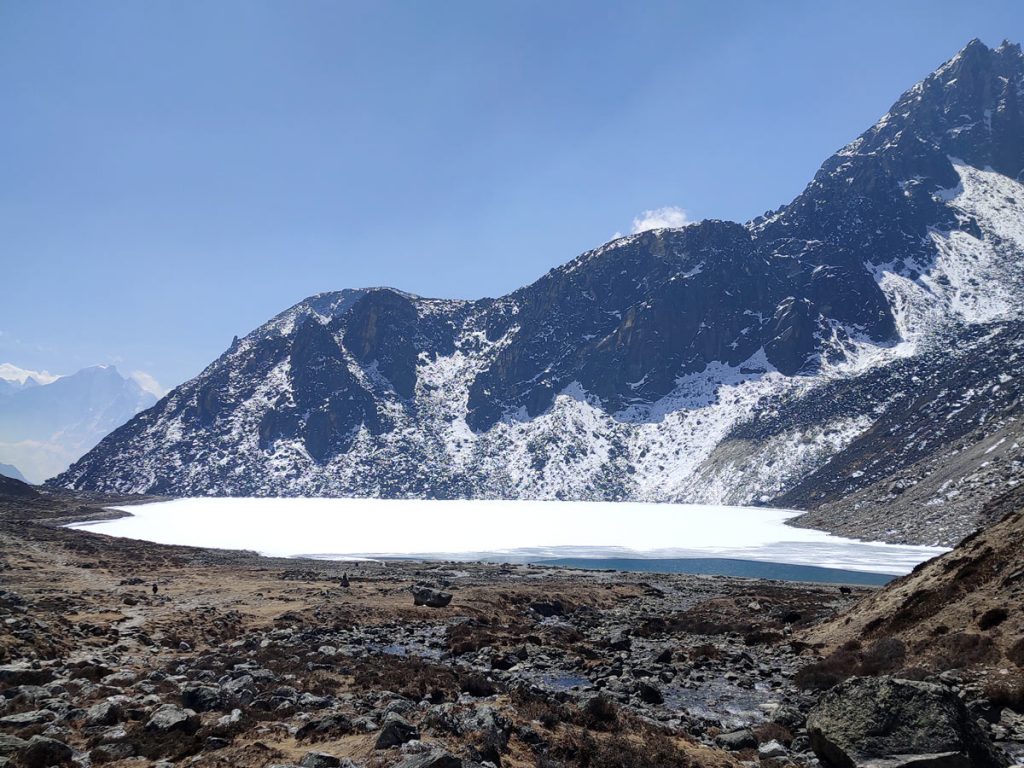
{"points": [[1008, 693], [649, 748], [963, 649], [884, 655]]}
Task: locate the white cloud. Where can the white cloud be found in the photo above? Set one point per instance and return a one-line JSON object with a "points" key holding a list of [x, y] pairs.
{"points": [[148, 383], [660, 218]]}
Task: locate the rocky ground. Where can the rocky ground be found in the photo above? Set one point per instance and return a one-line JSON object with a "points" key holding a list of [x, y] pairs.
{"points": [[239, 660]]}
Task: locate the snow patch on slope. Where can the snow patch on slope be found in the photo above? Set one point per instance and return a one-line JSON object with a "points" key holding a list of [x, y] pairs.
{"points": [[973, 279]]}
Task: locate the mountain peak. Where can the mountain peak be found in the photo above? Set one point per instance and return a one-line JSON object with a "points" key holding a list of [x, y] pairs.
{"points": [[672, 364]]}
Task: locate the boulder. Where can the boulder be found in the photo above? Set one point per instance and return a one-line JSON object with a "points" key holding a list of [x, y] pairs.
{"points": [[737, 740], [435, 759], [25, 719], [10, 745], [395, 730], [430, 597], [108, 753], [649, 694], [104, 713], [170, 718], [325, 728], [319, 760], [771, 749], [548, 608], [41, 752], [883, 720], [202, 698], [22, 673]]}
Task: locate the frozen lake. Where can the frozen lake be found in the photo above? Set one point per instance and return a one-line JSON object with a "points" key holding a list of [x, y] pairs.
{"points": [[512, 530]]}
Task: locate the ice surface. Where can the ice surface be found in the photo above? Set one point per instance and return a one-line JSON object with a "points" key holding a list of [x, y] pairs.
{"points": [[518, 530]]}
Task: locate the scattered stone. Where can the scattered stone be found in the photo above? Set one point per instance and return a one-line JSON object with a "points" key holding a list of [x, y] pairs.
{"points": [[771, 749]]}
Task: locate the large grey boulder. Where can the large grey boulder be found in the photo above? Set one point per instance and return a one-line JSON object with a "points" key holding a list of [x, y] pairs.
{"points": [[169, 718], [41, 752], [106, 712], [202, 698], [430, 597], [23, 673], [882, 721], [435, 759], [395, 731]]}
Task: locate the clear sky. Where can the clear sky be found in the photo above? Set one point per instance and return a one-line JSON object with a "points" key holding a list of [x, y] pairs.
{"points": [[174, 173]]}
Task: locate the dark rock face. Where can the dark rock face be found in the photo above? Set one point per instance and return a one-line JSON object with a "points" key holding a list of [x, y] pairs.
{"points": [[377, 392], [382, 330], [866, 719]]}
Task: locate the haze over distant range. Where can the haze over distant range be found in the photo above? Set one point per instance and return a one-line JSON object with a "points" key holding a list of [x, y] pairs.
{"points": [[48, 421], [454, 150]]}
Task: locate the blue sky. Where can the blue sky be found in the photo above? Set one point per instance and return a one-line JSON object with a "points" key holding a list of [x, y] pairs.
{"points": [[176, 173]]}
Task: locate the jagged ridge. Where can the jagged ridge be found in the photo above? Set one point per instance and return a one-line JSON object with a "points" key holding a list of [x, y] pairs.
{"points": [[648, 368]]}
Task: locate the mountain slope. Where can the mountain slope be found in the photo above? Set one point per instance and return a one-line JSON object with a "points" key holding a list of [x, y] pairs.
{"points": [[45, 425], [717, 362], [956, 610]]}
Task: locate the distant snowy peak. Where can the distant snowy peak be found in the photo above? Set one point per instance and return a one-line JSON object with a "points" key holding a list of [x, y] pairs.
{"points": [[44, 426], [654, 366], [20, 377]]}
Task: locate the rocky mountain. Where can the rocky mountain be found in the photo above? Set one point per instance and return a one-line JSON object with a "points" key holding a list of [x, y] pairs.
{"points": [[46, 422], [860, 346]]}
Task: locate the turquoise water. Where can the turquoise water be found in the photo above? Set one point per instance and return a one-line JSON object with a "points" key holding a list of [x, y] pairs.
{"points": [[720, 566]]}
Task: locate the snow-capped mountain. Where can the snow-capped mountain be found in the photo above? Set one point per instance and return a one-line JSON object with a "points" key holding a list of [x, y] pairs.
{"points": [[856, 349], [46, 422]]}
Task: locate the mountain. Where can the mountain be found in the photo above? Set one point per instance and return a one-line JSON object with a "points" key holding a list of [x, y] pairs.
{"points": [[11, 471], [15, 379], [47, 422], [857, 350]]}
